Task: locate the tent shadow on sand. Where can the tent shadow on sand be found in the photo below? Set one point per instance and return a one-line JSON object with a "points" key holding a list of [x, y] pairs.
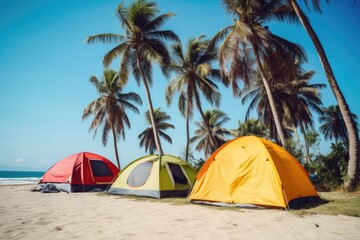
{"points": [[309, 204]]}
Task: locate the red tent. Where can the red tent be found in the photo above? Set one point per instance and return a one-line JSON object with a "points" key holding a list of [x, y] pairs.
{"points": [[81, 172]]}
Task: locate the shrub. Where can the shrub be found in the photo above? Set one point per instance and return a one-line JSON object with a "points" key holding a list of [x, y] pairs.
{"points": [[330, 171]]}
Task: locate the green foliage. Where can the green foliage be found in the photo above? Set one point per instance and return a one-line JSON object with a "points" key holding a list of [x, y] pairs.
{"points": [[195, 162], [313, 141], [293, 146], [142, 45], [193, 77], [110, 108], [215, 119], [333, 124], [331, 170], [251, 127], [147, 138]]}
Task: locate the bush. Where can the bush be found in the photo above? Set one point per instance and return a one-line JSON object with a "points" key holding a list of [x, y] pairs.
{"points": [[197, 163], [330, 171]]}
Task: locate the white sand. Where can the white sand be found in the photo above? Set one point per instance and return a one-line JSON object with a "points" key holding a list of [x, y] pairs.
{"points": [[33, 215]]}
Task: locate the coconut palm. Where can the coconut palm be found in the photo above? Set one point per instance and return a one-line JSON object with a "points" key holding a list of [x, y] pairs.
{"points": [[294, 100], [333, 124], [248, 31], [308, 98], [215, 119], [109, 109], [147, 138], [250, 127], [350, 123], [301, 97], [192, 78], [140, 46]]}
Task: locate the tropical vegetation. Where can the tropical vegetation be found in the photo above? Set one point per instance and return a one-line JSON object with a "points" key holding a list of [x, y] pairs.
{"points": [[193, 78], [333, 124], [263, 69], [249, 39], [353, 171], [147, 138], [109, 109], [141, 46], [214, 119], [295, 98], [250, 127]]}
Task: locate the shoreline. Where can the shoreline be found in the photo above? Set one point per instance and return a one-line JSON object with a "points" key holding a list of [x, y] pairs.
{"points": [[35, 215], [17, 182]]}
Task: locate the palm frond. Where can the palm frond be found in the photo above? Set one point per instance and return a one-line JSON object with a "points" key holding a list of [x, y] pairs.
{"points": [[165, 136], [121, 13], [157, 22], [105, 38], [162, 35], [114, 53], [219, 36]]}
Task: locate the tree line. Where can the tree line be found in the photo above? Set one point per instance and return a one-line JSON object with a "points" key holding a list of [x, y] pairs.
{"points": [[259, 66]]}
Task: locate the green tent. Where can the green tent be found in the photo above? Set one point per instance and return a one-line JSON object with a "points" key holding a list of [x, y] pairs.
{"points": [[144, 177]]}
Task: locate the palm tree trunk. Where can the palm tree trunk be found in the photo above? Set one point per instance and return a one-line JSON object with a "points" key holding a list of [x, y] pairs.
{"points": [[354, 148], [274, 112], [115, 146], [187, 132], [198, 104], [150, 105], [307, 154]]}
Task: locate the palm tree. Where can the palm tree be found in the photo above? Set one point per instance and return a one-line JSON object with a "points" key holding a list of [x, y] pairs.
{"points": [[294, 100], [141, 45], [147, 138], [301, 98], [250, 127], [333, 124], [350, 124], [110, 108], [215, 119], [313, 141], [248, 31], [192, 77]]}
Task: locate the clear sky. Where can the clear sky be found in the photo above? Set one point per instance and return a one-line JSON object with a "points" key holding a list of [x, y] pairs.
{"points": [[45, 66]]}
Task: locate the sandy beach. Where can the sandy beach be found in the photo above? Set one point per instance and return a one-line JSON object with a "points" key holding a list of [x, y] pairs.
{"points": [[33, 215]]}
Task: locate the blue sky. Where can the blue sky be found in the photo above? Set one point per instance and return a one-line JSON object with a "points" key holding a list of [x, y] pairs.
{"points": [[45, 66]]}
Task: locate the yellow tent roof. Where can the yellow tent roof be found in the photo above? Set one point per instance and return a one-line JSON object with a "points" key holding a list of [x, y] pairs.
{"points": [[252, 170]]}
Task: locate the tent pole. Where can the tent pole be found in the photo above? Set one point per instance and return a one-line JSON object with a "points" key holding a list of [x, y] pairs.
{"points": [[287, 203]]}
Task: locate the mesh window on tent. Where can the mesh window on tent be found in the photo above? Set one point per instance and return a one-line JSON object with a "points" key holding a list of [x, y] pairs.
{"points": [[99, 169], [140, 174]]}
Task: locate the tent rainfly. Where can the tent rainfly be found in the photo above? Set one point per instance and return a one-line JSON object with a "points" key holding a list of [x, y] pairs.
{"points": [[145, 177], [81, 172], [252, 170]]}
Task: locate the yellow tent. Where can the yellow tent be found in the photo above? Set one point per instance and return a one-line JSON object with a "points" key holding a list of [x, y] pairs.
{"points": [[252, 170]]}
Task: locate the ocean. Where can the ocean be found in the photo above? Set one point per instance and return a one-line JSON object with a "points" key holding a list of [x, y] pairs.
{"points": [[19, 177]]}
